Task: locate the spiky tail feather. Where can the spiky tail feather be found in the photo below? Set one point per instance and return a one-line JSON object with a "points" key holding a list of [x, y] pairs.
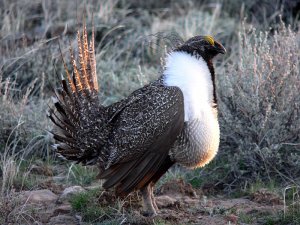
{"points": [[80, 119]]}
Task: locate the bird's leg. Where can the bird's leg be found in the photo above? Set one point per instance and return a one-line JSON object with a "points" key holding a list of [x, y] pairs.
{"points": [[148, 208], [152, 197]]}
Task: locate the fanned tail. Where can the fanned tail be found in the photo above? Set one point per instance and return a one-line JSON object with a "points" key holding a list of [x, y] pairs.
{"points": [[81, 129]]}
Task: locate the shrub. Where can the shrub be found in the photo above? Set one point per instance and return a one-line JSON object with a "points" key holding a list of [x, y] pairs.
{"points": [[259, 105], [258, 95], [22, 120]]}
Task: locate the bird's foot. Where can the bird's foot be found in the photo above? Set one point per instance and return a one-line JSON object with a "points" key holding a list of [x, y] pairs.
{"points": [[153, 200], [149, 206], [155, 206]]}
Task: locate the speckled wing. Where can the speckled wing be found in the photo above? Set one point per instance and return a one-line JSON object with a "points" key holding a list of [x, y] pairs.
{"points": [[143, 133], [142, 121]]}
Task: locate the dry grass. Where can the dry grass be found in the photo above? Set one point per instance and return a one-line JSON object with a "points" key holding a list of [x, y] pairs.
{"points": [[260, 105], [258, 80], [259, 112]]}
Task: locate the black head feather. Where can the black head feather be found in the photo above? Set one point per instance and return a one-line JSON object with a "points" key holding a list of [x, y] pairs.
{"points": [[204, 46]]}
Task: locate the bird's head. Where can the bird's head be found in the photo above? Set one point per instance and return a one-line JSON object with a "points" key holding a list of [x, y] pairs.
{"points": [[204, 46]]}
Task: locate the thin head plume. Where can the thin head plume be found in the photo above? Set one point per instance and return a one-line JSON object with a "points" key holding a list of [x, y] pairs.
{"points": [[163, 40], [162, 43], [172, 39]]}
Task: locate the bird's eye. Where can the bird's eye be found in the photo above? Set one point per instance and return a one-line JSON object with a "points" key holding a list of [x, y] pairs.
{"points": [[210, 40]]}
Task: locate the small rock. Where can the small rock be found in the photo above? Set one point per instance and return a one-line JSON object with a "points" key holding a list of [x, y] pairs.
{"points": [[40, 196], [265, 196], [177, 188], [63, 220], [41, 170], [69, 192], [62, 209], [51, 185], [191, 201], [165, 201]]}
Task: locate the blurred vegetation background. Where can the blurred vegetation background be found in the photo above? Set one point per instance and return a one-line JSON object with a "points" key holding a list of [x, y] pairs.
{"points": [[258, 80]]}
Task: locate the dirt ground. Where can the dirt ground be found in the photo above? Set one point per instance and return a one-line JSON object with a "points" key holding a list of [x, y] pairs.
{"points": [[178, 202]]}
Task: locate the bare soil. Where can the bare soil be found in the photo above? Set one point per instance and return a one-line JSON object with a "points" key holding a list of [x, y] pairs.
{"points": [[179, 203]]}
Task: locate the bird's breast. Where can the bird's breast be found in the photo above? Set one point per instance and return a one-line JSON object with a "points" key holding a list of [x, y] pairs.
{"points": [[198, 144], [193, 78]]}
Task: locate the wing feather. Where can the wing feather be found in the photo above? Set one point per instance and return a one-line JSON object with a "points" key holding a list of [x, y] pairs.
{"points": [[143, 134]]}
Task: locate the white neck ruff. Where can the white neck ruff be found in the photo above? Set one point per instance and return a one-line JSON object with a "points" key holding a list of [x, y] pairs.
{"points": [[193, 77]]}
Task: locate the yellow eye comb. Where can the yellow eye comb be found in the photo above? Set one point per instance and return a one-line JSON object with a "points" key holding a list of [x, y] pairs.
{"points": [[210, 40]]}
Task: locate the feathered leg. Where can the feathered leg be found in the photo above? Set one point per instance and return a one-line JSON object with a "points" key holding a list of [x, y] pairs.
{"points": [[148, 206]]}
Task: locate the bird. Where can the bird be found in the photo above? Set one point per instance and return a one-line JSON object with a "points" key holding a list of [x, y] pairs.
{"points": [[173, 119]]}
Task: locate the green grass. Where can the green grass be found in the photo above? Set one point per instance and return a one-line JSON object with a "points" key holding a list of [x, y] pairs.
{"points": [[174, 173], [96, 210], [86, 204], [244, 218], [81, 175], [211, 174]]}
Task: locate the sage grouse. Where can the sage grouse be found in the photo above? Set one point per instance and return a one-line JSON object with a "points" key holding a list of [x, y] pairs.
{"points": [[136, 140]]}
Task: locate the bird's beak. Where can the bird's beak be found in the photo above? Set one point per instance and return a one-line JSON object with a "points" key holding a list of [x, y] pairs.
{"points": [[219, 48]]}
